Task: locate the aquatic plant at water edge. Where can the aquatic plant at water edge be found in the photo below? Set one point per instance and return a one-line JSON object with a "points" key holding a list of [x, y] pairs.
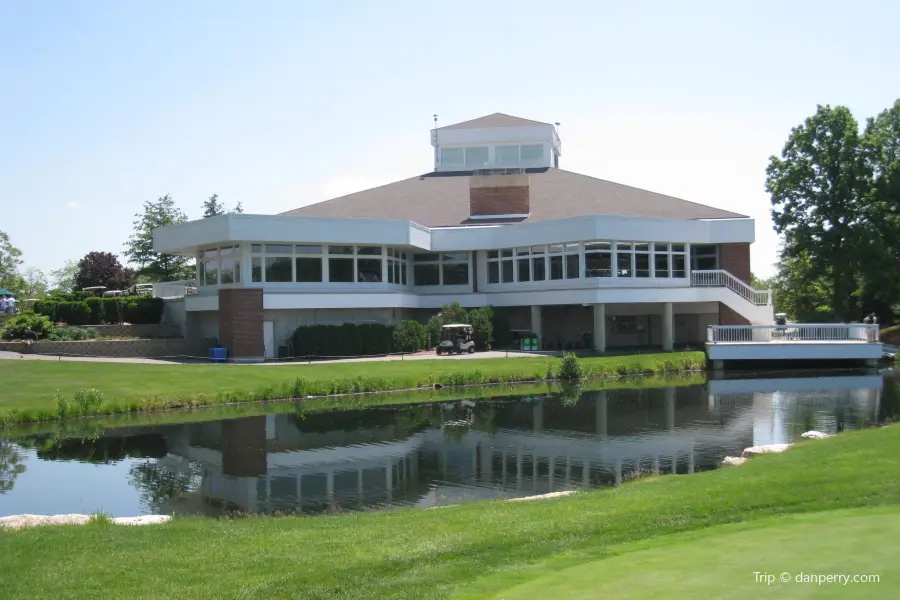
{"points": [[88, 401], [570, 367]]}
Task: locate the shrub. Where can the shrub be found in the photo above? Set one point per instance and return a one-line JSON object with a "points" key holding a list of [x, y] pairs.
{"points": [[342, 340], [570, 367], [96, 307], [88, 401], [18, 326], [410, 336], [73, 313], [71, 334], [141, 310], [46, 308], [109, 311], [481, 320]]}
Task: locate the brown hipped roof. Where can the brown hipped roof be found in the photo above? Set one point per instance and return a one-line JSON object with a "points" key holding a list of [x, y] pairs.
{"points": [[442, 199], [494, 120]]}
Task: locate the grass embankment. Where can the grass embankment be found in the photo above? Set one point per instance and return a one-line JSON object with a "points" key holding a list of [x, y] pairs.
{"points": [[44, 390], [93, 425], [497, 549]]}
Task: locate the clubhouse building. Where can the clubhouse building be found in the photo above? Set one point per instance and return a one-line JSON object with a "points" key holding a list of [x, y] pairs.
{"points": [[497, 223]]}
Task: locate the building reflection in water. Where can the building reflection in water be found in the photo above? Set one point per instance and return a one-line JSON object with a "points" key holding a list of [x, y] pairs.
{"points": [[440, 454]]}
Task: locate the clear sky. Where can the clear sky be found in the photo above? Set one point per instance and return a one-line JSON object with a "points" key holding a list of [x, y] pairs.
{"points": [[278, 104]]}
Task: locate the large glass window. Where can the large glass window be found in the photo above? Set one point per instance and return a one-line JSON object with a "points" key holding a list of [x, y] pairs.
{"points": [[217, 266], [533, 263], [279, 269], [598, 259], [532, 154], [340, 270], [453, 157], [506, 156], [624, 259], [477, 157], [641, 259], [704, 258], [441, 269], [397, 260], [309, 270]]}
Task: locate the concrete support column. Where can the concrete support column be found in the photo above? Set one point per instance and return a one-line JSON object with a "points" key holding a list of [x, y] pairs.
{"points": [[600, 327], [487, 463], [668, 327], [537, 413], [586, 474], [536, 325], [519, 469], [670, 408]]}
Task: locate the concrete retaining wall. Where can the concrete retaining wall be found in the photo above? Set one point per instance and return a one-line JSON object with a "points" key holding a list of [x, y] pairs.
{"points": [[155, 348]]}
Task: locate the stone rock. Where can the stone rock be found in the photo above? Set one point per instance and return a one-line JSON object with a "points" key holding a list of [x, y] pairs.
{"points": [[543, 496], [765, 449], [733, 461], [815, 435], [20, 521]]}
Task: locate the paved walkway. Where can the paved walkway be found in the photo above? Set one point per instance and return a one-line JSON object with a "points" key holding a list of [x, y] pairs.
{"points": [[178, 361]]}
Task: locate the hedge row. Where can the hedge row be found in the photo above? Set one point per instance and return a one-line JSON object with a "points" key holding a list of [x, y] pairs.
{"points": [[342, 340], [137, 310]]}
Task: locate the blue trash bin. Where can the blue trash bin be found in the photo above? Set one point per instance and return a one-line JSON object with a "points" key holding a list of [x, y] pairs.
{"points": [[218, 354]]}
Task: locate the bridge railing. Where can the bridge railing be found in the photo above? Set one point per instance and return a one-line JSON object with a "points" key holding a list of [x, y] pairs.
{"points": [[793, 332]]}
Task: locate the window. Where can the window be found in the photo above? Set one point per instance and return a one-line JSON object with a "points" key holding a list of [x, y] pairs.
{"points": [[538, 263], [704, 258], [533, 263], [476, 158], [660, 265], [308, 269], [452, 157], [340, 270], [397, 260], [506, 156], [641, 259], [624, 259], [598, 259], [279, 269], [441, 269], [532, 154], [217, 266], [256, 269]]}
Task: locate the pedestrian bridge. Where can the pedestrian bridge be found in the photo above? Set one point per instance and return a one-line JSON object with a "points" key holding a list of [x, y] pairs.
{"points": [[855, 342]]}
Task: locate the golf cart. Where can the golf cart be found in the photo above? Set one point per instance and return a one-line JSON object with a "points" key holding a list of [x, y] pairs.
{"points": [[456, 338]]}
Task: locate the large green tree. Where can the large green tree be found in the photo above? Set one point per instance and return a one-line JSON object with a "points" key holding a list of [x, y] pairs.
{"points": [[152, 265], [10, 259], [212, 207], [64, 277], [817, 187]]}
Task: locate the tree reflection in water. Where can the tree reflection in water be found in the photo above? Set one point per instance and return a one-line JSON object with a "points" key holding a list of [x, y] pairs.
{"points": [[160, 482], [11, 465]]}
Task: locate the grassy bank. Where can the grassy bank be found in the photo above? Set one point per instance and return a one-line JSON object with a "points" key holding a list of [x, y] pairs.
{"points": [[43, 390], [496, 549], [92, 425]]}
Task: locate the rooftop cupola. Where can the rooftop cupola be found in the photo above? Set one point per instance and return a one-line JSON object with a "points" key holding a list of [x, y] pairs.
{"points": [[497, 141]]}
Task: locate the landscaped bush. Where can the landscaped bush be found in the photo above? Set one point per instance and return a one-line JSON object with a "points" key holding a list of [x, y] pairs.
{"points": [[109, 311], [482, 322], [96, 307], [570, 368], [71, 334], [342, 340], [137, 310], [73, 313], [17, 327], [410, 336]]}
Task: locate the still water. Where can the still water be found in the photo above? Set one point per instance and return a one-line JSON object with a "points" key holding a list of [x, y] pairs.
{"points": [[426, 455]]}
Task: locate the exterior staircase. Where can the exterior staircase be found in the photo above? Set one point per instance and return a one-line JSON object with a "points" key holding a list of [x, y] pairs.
{"points": [[754, 305]]}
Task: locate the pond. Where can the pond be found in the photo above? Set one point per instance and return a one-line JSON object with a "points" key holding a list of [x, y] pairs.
{"points": [[424, 455]]}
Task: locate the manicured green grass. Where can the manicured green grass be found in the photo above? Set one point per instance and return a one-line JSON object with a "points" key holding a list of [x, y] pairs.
{"points": [[29, 387], [469, 551], [782, 556]]}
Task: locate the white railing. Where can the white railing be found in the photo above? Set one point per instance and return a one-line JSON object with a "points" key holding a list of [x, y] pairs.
{"points": [[793, 332], [722, 278]]}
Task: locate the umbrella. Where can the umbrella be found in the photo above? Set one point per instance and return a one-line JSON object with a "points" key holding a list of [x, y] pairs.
{"points": [[6, 292]]}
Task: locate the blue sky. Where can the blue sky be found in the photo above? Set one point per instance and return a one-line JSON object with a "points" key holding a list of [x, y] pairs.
{"points": [[278, 104]]}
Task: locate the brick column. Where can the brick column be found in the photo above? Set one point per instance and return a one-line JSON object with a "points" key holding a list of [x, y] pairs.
{"points": [[241, 323], [735, 258], [244, 451]]}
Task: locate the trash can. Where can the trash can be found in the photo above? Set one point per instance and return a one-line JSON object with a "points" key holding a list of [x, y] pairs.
{"points": [[218, 354]]}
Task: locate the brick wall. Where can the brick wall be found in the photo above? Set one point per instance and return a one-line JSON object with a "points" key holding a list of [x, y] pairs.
{"points": [[157, 348], [730, 317], [735, 258], [499, 195], [241, 322]]}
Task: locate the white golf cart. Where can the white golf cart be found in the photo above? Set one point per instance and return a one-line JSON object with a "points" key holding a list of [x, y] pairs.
{"points": [[456, 338]]}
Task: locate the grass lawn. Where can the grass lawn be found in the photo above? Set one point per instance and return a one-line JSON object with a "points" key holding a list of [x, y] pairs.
{"points": [[756, 559], [29, 385], [489, 549]]}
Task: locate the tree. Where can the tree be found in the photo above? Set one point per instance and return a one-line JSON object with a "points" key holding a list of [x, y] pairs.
{"points": [[11, 465], [817, 187], [482, 322], [139, 248], [102, 268], [64, 277], [212, 207], [34, 283], [10, 259], [450, 313]]}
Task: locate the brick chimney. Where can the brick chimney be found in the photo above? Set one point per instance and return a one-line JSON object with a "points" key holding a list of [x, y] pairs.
{"points": [[496, 195]]}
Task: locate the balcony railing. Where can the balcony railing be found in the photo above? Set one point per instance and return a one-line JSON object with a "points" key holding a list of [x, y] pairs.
{"points": [[721, 278], [805, 332]]}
